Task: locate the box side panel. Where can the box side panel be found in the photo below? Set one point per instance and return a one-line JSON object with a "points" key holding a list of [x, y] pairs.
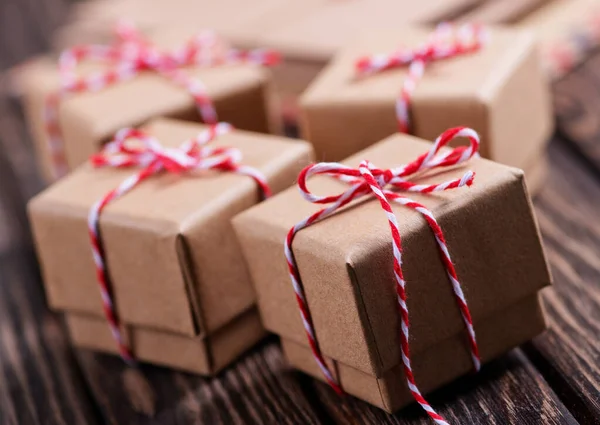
{"points": [[520, 110], [434, 367]]}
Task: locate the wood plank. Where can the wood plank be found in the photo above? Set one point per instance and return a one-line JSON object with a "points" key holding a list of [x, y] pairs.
{"points": [[577, 105], [506, 391], [25, 27], [39, 382], [259, 389], [569, 355]]}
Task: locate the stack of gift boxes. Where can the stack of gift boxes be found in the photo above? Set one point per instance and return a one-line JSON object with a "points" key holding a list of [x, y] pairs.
{"points": [[181, 240]]}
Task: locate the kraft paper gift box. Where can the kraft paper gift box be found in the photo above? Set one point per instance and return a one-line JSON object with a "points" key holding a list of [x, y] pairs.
{"points": [[345, 264], [498, 90], [240, 92], [175, 267]]}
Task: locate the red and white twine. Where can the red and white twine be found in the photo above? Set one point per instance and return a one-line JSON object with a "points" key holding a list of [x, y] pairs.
{"points": [[445, 42], [367, 180], [130, 55], [192, 155]]}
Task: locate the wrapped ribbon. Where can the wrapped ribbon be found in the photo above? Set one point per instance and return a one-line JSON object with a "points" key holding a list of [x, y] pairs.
{"points": [[192, 155], [444, 43], [132, 54], [368, 180]]}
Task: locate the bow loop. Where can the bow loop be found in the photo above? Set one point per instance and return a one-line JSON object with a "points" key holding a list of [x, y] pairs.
{"points": [[332, 169], [133, 147], [398, 177]]}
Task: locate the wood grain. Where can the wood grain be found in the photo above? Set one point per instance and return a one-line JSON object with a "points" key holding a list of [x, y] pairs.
{"points": [[39, 383], [520, 396], [259, 389], [577, 103], [569, 355]]}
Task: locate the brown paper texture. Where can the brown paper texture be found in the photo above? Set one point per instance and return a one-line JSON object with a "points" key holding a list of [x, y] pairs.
{"points": [[172, 256], [241, 94], [499, 91], [437, 365], [203, 355], [345, 261]]}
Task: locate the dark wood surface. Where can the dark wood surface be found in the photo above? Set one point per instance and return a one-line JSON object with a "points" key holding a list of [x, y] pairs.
{"points": [[554, 379]]}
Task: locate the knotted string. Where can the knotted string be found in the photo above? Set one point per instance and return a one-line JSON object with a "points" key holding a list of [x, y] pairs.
{"points": [[122, 152], [368, 180], [132, 54], [445, 42]]}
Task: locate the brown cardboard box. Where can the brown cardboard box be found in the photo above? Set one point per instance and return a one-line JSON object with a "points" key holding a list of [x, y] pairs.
{"points": [[345, 264], [241, 94], [499, 91], [204, 354], [173, 260]]}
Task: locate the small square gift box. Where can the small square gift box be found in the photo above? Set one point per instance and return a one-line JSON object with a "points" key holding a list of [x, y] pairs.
{"points": [[393, 281], [77, 104], [137, 246], [418, 81]]}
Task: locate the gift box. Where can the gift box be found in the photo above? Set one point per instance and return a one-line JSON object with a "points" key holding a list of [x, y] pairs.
{"points": [[344, 263], [498, 89], [170, 256], [127, 83]]}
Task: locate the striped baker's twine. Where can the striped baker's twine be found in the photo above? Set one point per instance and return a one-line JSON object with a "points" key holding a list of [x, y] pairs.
{"points": [[193, 154], [445, 42], [130, 55], [368, 180]]}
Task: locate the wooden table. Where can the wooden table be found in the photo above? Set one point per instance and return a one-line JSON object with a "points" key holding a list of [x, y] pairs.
{"points": [[554, 379]]}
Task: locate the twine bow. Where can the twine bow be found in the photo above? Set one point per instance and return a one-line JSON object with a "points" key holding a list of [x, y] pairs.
{"points": [[368, 180], [148, 153], [445, 42], [132, 54]]}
